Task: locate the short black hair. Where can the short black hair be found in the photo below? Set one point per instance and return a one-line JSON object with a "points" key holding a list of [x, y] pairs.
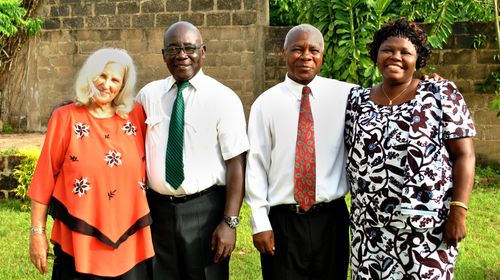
{"points": [[403, 29]]}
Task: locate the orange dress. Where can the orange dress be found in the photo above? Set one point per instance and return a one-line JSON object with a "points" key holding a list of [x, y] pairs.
{"points": [[92, 173]]}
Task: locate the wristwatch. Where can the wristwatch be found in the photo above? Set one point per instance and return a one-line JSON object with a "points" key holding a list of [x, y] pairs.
{"points": [[232, 221]]}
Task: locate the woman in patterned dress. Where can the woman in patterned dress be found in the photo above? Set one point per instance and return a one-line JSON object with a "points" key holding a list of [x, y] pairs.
{"points": [[410, 164], [92, 173]]}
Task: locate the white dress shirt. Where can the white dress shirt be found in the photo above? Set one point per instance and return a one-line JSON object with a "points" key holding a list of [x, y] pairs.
{"points": [[272, 131], [214, 131]]}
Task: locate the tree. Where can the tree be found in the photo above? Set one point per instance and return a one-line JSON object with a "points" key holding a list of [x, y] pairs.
{"points": [[17, 23], [14, 23]]}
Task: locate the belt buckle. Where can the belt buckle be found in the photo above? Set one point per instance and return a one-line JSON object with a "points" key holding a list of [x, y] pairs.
{"points": [[298, 210], [175, 199]]}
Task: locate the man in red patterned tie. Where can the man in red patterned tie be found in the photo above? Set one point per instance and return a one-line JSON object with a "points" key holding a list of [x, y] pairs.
{"points": [[295, 178]]}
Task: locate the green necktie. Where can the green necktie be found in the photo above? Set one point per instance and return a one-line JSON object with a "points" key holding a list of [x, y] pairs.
{"points": [[174, 166]]}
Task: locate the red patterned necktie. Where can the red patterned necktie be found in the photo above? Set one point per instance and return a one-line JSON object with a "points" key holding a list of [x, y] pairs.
{"points": [[305, 156]]}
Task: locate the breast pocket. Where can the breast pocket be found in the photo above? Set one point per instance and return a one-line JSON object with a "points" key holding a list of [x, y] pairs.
{"points": [[157, 130], [152, 121]]}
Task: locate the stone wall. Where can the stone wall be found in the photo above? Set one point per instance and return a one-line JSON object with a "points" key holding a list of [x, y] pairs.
{"points": [[469, 67], [73, 29], [242, 52], [457, 61]]}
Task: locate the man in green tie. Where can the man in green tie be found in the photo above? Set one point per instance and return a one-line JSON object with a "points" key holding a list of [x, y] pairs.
{"points": [[195, 149]]}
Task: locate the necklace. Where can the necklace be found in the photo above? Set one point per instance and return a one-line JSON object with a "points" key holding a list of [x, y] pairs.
{"points": [[397, 96]]}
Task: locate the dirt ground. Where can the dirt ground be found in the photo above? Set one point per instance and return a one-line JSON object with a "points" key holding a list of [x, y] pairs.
{"points": [[22, 140]]}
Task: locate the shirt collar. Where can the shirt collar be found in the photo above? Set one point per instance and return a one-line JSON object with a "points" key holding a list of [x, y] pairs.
{"points": [[195, 81], [296, 88]]}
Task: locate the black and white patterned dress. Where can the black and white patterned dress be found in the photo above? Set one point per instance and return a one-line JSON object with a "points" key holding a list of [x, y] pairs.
{"points": [[388, 243]]}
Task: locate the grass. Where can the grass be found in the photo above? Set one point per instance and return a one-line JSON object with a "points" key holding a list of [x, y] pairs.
{"points": [[14, 241], [245, 260], [479, 256]]}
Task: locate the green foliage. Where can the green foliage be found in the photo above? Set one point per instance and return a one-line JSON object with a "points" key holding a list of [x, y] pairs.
{"points": [[23, 174], [7, 128], [487, 176], [13, 19], [17, 23], [493, 83], [9, 152], [479, 41], [283, 12], [348, 26], [495, 105], [442, 16], [487, 171]]}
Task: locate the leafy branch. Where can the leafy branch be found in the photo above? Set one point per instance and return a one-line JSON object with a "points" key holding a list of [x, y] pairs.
{"points": [[15, 23], [348, 26]]}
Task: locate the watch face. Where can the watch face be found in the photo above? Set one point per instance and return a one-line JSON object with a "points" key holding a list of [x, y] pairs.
{"points": [[232, 222]]}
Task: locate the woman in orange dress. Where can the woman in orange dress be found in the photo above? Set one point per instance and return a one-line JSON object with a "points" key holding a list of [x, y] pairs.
{"points": [[91, 172]]}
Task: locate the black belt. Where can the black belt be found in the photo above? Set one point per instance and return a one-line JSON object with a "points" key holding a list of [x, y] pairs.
{"points": [[184, 198], [318, 207]]}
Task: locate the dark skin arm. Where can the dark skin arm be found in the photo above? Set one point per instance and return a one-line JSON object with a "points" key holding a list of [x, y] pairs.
{"points": [[462, 153], [224, 237]]}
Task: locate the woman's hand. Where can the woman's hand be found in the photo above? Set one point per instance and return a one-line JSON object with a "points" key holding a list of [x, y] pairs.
{"points": [[455, 229], [39, 248]]}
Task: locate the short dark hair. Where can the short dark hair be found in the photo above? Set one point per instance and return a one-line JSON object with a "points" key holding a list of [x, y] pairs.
{"points": [[403, 29]]}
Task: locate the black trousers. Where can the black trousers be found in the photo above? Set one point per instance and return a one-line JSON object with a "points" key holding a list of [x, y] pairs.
{"points": [[309, 246], [182, 233], [64, 269]]}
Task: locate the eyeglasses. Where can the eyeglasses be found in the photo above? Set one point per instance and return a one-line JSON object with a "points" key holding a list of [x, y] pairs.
{"points": [[189, 49]]}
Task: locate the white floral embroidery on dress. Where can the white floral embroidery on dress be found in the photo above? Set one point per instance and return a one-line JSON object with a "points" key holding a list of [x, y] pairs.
{"points": [[143, 185], [81, 187], [113, 158], [81, 130], [129, 128]]}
